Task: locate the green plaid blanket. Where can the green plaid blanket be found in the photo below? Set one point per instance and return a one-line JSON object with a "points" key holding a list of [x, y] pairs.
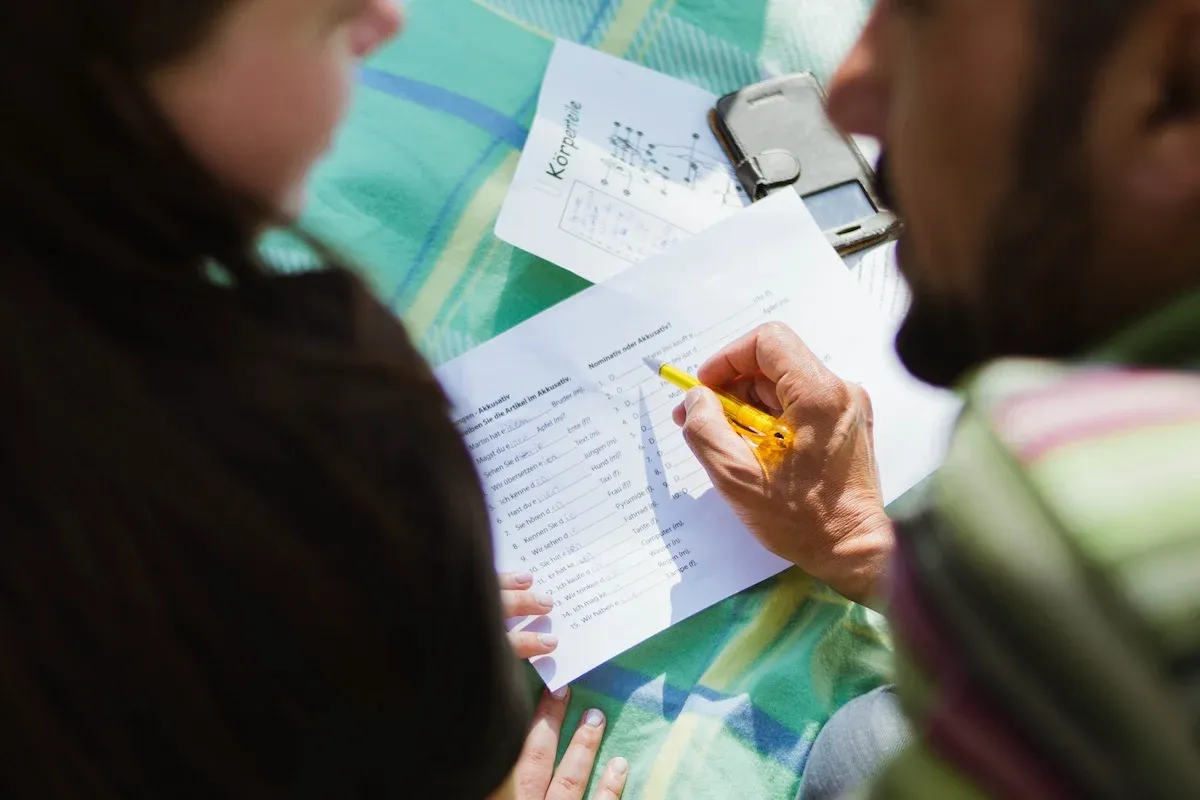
{"points": [[727, 703]]}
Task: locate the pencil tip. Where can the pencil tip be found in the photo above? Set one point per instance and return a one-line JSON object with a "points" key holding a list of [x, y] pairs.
{"points": [[653, 364]]}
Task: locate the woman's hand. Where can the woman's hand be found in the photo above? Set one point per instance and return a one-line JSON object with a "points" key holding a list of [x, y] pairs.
{"points": [[519, 601], [535, 777]]}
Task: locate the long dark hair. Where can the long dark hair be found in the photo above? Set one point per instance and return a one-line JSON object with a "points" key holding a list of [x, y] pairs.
{"points": [[174, 619]]}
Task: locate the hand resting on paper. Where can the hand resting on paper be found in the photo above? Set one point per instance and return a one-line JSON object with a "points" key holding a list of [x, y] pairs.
{"points": [[518, 600], [818, 503]]}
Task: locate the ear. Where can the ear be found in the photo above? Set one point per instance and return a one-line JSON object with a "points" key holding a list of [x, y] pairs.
{"points": [[1147, 122]]}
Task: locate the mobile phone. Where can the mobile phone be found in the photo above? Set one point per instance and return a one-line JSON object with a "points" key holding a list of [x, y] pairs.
{"points": [[778, 137]]}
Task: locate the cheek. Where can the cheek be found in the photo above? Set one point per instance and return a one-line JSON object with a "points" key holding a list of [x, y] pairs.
{"points": [[949, 140], [273, 120], [928, 192], [292, 123]]}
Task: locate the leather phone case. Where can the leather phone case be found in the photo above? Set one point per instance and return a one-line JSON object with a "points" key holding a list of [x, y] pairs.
{"points": [[778, 137]]}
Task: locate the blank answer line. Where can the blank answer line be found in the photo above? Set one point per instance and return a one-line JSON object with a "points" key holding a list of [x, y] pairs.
{"points": [[591, 558], [696, 490], [565, 471], [674, 401], [595, 488], [734, 315], [573, 483], [601, 536], [620, 559], [649, 588], [610, 548], [655, 424], [676, 448], [674, 430], [594, 523], [631, 371], [725, 338], [634, 582]]}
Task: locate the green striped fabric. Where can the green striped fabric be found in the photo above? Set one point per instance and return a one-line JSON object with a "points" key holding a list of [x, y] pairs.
{"points": [[1070, 508], [727, 703]]}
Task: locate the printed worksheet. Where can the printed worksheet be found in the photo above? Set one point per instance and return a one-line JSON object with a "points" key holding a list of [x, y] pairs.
{"points": [[591, 485], [620, 164], [877, 271]]}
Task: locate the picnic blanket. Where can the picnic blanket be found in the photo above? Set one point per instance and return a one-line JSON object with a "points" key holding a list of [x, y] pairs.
{"points": [[727, 703]]}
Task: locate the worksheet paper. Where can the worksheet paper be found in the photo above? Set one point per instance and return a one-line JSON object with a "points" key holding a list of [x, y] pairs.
{"points": [[877, 271], [619, 165], [590, 484]]}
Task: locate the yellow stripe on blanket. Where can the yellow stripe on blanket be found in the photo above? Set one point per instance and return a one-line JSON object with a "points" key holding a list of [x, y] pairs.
{"points": [[625, 25], [755, 639], [793, 589], [648, 39], [520, 23], [666, 764], [475, 223]]}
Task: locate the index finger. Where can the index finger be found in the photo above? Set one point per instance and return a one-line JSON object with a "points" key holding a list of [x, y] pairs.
{"points": [[772, 350], [535, 767], [571, 777], [515, 580]]}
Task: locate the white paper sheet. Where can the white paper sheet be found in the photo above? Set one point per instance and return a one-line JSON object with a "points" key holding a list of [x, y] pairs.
{"points": [[619, 165], [877, 272], [589, 481]]}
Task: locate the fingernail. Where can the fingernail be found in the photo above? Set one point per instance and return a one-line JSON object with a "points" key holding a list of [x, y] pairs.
{"points": [[594, 719], [544, 600], [548, 640], [523, 578], [561, 692], [619, 766], [691, 398]]}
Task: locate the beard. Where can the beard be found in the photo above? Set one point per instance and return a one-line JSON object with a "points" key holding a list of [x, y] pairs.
{"points": [[1035, 272], [1043, 263]]}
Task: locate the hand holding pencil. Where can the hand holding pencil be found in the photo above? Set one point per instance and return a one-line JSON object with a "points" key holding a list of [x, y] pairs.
{"points": [[816, 501], [754, 424]]}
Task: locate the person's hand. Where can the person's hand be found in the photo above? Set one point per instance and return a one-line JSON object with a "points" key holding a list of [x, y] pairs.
{"points": [[519, 601], [535, 777], [817, 503]]}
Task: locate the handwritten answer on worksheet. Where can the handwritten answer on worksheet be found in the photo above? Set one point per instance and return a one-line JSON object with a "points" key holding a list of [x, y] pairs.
{"points": [[590, 483]]}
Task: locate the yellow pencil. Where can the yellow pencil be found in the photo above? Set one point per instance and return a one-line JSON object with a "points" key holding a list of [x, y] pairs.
{"points": [[742, 415]]}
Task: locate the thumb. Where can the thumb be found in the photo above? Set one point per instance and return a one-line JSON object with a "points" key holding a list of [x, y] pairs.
{"points": [[717, 446]]}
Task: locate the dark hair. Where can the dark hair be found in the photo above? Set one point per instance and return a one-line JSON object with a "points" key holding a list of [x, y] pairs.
{"points": [[227, 522]]}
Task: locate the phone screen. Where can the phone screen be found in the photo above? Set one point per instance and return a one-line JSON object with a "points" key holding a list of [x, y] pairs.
{"points": [[840, 206]]}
